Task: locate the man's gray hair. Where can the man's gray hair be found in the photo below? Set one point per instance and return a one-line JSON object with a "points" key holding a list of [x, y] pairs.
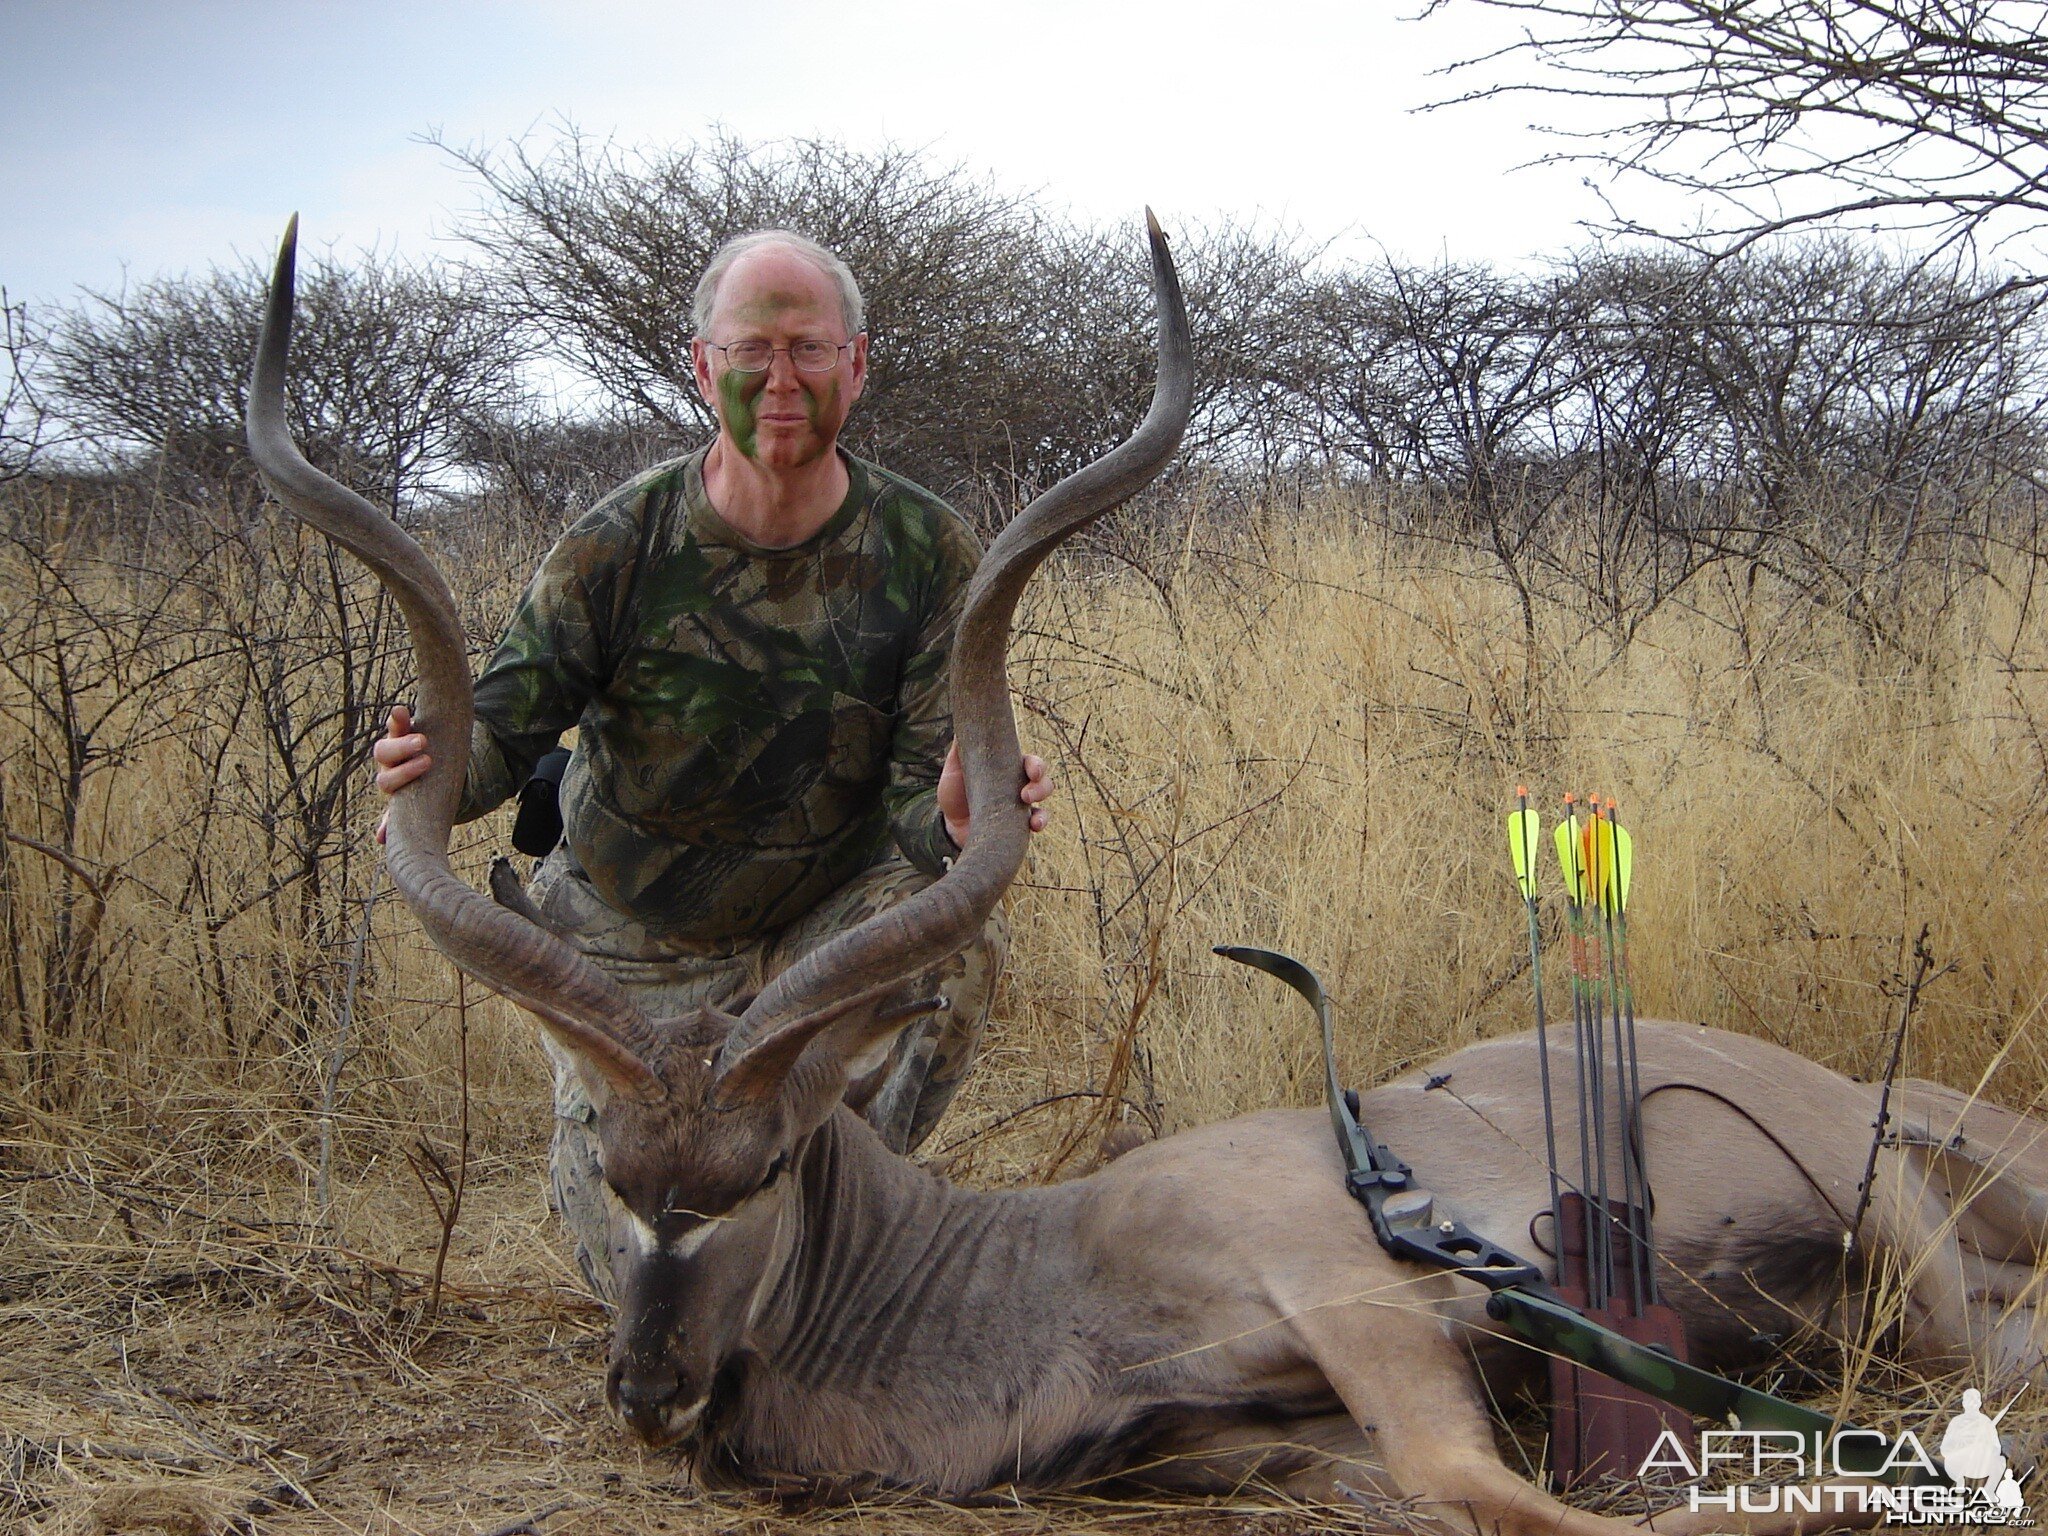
{"points": [[705, 304]]}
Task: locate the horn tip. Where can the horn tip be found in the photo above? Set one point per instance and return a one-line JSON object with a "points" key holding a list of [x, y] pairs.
{"points": [[283, 275], [1152, 224]]}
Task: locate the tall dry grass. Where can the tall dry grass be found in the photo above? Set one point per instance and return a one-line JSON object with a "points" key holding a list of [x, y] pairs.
{"points": [[1308, 738], [1296, 731]]}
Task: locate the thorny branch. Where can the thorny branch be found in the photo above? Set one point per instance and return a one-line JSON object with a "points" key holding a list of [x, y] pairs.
{"points": [[1793, 113]]}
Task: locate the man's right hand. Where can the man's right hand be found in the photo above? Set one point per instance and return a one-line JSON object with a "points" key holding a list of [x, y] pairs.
{"points": [[401, 754]]}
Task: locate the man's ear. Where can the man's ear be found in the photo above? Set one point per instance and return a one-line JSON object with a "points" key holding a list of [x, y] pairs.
{"points": [[700, 367], [860, 366]]}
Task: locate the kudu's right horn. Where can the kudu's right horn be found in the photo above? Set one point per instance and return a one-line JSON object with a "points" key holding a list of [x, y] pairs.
{"points": [[945, 916]]}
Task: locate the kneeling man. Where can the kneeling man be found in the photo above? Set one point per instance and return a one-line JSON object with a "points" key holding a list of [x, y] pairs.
{"points": [[752, 642]]}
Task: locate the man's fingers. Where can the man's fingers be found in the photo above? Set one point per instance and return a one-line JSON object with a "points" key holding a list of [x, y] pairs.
{"points": [[390, 751], [391, 780], [1037, 781]]}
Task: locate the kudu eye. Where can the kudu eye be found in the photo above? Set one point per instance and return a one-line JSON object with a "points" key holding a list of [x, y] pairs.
{"points": [[776, 1170]]}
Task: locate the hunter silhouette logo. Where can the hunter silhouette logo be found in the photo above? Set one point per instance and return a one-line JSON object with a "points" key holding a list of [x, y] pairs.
{"points": [[1968, 1483], [1974, 1458]]}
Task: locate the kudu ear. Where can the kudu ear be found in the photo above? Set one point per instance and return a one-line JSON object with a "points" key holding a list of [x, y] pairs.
{"points": [[624, 1070], [510, 893], [848, 1037]]}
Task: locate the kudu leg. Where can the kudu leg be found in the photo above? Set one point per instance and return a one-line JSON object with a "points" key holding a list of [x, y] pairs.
{"points": [[1957, 1274], [1414, 1391], [1313, 1459], [1965, 1221], [1408, 1382]]}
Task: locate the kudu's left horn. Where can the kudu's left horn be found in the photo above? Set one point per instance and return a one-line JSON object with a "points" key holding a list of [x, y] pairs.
{"points": [[584, 1008]]}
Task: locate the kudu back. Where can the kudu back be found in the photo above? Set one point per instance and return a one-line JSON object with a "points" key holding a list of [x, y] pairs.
{"points": [[800, 1304]]}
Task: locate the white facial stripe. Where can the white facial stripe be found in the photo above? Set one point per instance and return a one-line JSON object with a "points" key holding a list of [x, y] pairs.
{"points": [[643, 1236], [769, 1270], [649, 1242], [691, 1240]]}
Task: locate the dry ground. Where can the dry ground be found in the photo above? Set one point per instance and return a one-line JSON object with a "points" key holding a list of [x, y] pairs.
{"points": [[177, 1358], [1302, 734]]}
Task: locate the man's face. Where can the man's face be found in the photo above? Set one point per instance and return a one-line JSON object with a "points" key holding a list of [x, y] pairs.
{"points": [[783, 418]]}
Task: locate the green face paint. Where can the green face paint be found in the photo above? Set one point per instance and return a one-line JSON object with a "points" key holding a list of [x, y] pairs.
{"points": [[814, 407], [738, 392], [764, 310]]}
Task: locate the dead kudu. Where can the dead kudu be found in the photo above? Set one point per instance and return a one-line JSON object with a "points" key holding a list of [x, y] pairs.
{"points": [[801, 1305]]}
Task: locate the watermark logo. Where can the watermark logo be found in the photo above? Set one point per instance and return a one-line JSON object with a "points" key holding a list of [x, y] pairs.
{"points": [[1967, 1482]]}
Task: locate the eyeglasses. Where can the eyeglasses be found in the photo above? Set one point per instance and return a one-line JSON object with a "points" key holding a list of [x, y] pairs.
{"points": [[755, 356]]}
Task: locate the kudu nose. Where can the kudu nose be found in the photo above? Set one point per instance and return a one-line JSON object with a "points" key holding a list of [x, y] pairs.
{"points": [[643, 1397]]}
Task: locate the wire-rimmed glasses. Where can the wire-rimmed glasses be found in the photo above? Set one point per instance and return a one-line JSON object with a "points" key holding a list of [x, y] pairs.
{"points": [[756, 356]]}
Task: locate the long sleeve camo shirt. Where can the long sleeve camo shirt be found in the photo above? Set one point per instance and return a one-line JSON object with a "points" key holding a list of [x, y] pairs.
{"points": [[754, 723]]}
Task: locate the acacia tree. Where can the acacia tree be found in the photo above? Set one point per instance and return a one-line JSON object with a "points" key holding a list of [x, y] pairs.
{"points": [[393, 365], [1919, 113], [1009, 344]]}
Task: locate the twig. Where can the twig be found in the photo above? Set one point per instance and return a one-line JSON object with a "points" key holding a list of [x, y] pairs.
{"points": [[92, 880], [1923, 966], [322, 1194], [424, 1158], [529, 1525], [1036, 1104], [90, 1449]]}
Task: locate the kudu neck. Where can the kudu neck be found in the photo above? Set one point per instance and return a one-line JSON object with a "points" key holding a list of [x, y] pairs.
{"points": [[883, 1248]]}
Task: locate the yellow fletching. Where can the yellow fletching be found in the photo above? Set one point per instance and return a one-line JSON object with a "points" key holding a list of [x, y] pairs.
{"points": [[1525, 836], [1624, 862], [1569, 865], [1601, 877], [1589, 858]]}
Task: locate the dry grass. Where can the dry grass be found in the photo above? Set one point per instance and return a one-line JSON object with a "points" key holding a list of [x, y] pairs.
{"points": [[1302, 736]]}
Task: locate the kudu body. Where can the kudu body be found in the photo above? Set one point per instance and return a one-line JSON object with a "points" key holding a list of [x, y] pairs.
{"points": [[799, 1304]]}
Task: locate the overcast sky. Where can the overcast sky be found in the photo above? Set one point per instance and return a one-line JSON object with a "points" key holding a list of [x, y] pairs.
{"points": [[145, 138]]}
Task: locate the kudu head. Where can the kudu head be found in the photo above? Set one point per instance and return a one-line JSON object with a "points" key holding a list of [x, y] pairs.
{"points": [[701, 1118]]}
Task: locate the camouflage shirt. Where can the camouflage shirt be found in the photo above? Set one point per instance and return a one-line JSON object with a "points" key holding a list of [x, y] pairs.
{"points": [[753, 722]]}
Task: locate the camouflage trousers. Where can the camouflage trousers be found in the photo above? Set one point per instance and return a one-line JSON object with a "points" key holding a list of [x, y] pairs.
{"points": [[902, 1098]]}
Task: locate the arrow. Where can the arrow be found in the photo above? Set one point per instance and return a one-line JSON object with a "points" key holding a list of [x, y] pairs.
{"points": [[1525, 836]]}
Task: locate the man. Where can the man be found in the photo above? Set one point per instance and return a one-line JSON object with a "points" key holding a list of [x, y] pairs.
{"points": [[753, 642]]}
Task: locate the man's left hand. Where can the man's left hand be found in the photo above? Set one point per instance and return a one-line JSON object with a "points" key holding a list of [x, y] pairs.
{"points": [[953, 794]]}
